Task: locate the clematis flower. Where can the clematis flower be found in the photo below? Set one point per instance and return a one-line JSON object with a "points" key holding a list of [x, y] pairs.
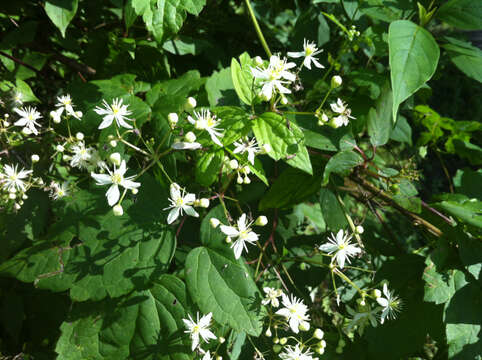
{"points": [[200, 328], [204, 120], [296, 353], [242, 233], [64, 102], [309, 52], [59, 190], [341, 247], [207, 356], [116, 111], [28, 119], [12, 180], [82, 156], [271, 296], [390, 303], [294, 311], [274, 76], [344, 113], [115, 178], [247, 146], [180, 201]]}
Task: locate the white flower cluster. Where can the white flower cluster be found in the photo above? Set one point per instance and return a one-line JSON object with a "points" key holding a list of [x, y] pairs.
{"points": [[340, 115]]}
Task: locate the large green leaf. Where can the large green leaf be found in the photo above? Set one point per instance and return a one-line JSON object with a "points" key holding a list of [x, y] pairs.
{"points": [[341, 163], [413, 59], [287, 142], [223, 286], [466, 210], [208, 167], [380, 119], [61, 12], [242, 78], [235, 122], [463, 14], [145, 325], [332, 211], [466, 57]]}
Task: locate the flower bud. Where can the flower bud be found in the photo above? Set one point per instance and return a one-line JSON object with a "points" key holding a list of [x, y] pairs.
{"points": [[266, 148], [221, 340], [79, 136], [190, 104], [214, 222], [304, 326], [12, 196], [190, 137], [268, 332], [277, 348], [118, 210], [6, 116], [239, 180], [247, 180], [24, 196], [233, 164], [56, 117], [227, 240], [359, 229], [261, 220], [78, 114], [66, 157], [173, 119], [276, 340], [377, 293], [284, 100], [322, 344], [258, 60], [219, 357], [59, 148], [336, 81], [26, 131], [323, 119], [319, 334], [115, 158], [283, 340], [17, 206], [113, 143], [6, 123], [320, 350], [204, 203], [35, 158]]}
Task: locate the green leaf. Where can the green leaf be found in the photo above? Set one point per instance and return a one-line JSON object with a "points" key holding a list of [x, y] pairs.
{"points": [[463, 14], [439, 287], [402, 131], [61, 12], [468, 211], [332, 211], [26, 91], [220, 89], [208, 166], [286, 143], [193, 7], [470, 250], [214, 238], [145, 325], [468, 182], [221, 285], [380, 119], [466, 57], [235, 121], [291, 187], [467, 150], [342, 163], [413, 59], [242, 80]]}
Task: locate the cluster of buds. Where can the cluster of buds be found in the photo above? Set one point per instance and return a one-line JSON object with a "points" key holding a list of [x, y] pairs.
{"points": [[243, 172]]}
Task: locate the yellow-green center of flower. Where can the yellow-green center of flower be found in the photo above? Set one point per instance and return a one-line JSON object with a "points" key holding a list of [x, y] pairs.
{"points": [[13, 177], [115, 109], [196, 329], [309, 50], [30, 117], [116, 178], [66, 102], [243, 235], [210, 122]]}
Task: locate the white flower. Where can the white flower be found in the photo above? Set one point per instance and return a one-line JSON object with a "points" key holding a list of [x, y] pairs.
{"points": [[309, 52], [82, 155], [341, 247], [18, 97], [199, 328], [272, 77], [28, 117], [294, 311], [207, 356], [115, 111], [59, 190], [180, 202], [115, 178], [13, 180], [65, 103], [204, 120], [345, 114], [186, 145], [271, 296], [295, 353], [391, 304], [242, 231], [249, 146]]}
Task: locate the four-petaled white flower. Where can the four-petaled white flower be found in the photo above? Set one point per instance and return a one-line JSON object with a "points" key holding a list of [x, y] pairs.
{"points": [[116, 111], [243, 234], [341, 247], [272, 77], [28, 117], [295, 312], [82, 156], [180, 201], [271, 296], [296, 353], [309, 52], [115, 178], [204, 120], [59, 190], [207, 356], [64, 102], [390, 303], [12, 179], [249, 146], [199, 328], [345, 114]]}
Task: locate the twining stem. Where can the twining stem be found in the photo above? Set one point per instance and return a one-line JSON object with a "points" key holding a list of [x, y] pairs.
{"points": [[349, 219], [323, 102], [257, 28], [344, 277]]}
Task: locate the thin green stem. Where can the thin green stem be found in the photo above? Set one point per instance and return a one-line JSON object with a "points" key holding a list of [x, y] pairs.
{"points": [[324, 99], [257, 28], [344, 277], [349, 219]]}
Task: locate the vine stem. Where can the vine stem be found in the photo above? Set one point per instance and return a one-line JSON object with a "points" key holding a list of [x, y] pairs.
{"points": [[257, 28], [349, 219]]}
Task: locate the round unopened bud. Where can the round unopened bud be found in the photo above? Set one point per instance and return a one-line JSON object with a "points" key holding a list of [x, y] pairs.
{"points": [[115, 158], [26, 131], [377, 293], [284, 100], [261, 220], [266, 148], [6, 123], [204, 203], [60, 148], [276, 340], [66, 157], [79, 136], [113, 143], [190, 103], [247, 180], [110, 137], [359, 229], [35, 158], [12, 196], [240, 180], [134, 191], [233, 164], [78, 114], [17, 206], [6, 116], [221, 340], [319, 334], [268, 332], [219, 357], [283, 340], [304, 326], [336, 81], [190, 137], [322, 344], [320, 350], [214, 222], [39, 181], [173, 119], [118, 210], [277, 348], [258, 60], [227, 240], [24, 196]]}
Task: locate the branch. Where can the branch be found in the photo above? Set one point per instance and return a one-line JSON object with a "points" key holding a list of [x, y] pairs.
{"points": [[18, 61]]}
